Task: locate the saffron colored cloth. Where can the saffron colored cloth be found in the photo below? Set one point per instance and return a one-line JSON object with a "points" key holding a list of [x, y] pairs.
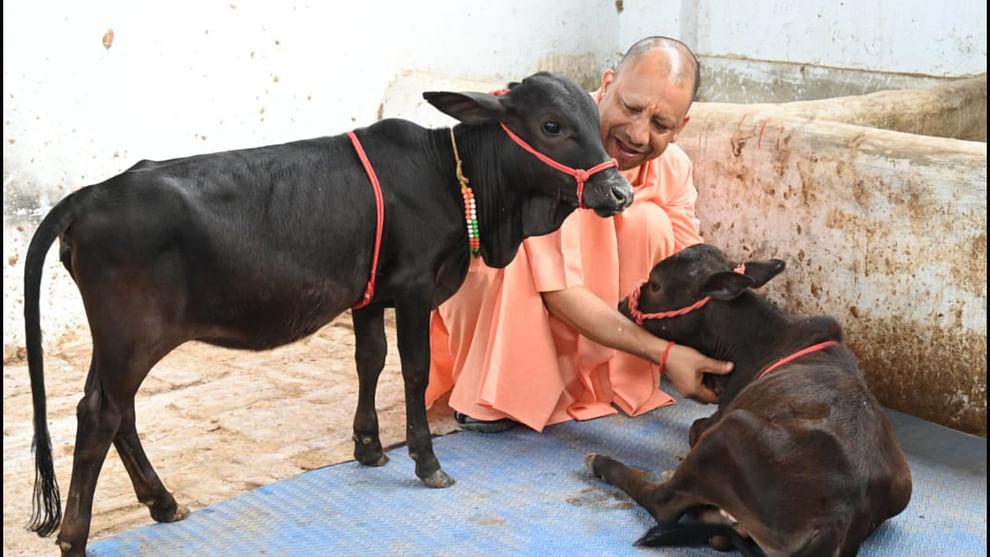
{"points": [[498, 350]]}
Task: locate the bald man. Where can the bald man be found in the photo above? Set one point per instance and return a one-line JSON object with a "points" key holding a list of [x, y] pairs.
{"points": [[540, 341]]}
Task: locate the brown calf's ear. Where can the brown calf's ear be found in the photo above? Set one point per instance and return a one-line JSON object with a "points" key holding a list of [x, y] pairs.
{"points": [[470, 108], [762, 271], [726, 285]]}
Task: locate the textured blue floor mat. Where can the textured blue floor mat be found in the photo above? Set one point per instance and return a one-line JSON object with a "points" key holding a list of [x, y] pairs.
{"points": [[526, 493]]}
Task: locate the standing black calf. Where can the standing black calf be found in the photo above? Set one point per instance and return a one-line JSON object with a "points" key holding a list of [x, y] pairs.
{"points": [[799, 458], [257, 248]]}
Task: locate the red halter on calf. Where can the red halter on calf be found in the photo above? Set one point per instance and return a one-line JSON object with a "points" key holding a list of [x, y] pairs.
{"points": [[579, 174], [640, 316]]}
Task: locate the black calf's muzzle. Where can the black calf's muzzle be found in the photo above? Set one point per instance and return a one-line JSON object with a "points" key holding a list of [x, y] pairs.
{"points": [[608, 194], [619, 191]]}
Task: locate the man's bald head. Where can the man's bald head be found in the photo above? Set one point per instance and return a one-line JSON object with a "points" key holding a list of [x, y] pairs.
{"points": [[670, 57], [644, 103]]}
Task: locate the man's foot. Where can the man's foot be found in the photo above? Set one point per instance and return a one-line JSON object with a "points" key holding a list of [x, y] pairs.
{"points": [[483, 426]]}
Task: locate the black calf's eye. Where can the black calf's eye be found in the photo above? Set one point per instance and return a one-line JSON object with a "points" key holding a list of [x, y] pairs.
{"points": [[551, 127]]}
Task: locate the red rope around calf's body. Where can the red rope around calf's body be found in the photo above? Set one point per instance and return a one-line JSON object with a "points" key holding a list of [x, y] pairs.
{"points": [[798, 354], [369, 291]]}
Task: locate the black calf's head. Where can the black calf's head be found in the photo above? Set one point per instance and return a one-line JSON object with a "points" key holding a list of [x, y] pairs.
{"points": [[558, 119], [689, 279]]}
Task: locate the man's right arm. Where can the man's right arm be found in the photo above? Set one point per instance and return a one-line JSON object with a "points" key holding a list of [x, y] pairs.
{"points": [[581, 309]]}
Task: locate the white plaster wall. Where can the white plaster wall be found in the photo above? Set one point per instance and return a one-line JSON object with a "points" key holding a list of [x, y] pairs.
{"points": [[946, 38], [189, 77], [185, 77], [912, 36]]}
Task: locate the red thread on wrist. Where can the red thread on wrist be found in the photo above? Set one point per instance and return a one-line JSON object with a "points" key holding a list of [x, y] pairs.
{"points": [[663, 359]]}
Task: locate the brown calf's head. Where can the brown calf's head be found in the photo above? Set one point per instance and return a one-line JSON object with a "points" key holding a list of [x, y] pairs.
{"points": [[684, 300], [671, 302]]}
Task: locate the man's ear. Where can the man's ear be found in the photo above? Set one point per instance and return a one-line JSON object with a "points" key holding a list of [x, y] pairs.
{"points": [[608, 76], [684, 123]]}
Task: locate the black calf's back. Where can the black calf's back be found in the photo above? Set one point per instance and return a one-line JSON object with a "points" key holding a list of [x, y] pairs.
{"points": [[255, 248]]}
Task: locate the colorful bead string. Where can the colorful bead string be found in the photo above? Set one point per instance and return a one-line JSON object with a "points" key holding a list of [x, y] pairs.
{"points": [[470, 208]]}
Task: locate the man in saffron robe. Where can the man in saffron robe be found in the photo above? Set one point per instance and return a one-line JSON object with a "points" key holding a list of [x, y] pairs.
{"points": [[541, 341]]}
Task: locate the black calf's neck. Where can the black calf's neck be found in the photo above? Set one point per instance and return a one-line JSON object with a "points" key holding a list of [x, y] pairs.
{"points": [[481, 145], [767, 335]]}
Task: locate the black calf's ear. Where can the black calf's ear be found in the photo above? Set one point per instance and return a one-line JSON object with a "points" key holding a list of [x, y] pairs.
{"points": [[726, 285], [470, 108], [762, 271]]}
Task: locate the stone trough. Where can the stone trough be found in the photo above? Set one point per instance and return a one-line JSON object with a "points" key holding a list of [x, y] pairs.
{"points": [[880, 212]]}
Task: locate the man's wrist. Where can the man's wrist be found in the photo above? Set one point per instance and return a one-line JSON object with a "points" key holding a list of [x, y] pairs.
{"points": [[666, 353]]}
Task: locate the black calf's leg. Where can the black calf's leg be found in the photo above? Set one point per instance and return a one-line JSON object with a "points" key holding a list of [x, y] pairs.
{"points": [[413, 332], [147, 486], [369, 353], [97, 422]]}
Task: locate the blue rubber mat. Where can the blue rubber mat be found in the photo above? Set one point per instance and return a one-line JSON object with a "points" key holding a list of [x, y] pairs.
{"points": [[526, 493]]}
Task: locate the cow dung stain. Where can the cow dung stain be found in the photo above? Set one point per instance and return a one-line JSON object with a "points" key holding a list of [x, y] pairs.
{"points": [[108, 39]]}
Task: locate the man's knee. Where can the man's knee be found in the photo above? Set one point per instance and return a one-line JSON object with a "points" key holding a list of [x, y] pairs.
{"points": [[647, 224]]}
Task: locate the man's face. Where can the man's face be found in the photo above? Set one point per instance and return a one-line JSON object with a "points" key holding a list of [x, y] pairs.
{"points": [[642, 111]]}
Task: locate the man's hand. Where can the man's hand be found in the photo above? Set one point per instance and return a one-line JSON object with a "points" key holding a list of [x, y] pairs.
{"points": [[685, 367], [602, 323]]}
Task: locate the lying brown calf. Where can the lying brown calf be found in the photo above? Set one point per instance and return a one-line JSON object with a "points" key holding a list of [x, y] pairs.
{"points": [[800, 461]]}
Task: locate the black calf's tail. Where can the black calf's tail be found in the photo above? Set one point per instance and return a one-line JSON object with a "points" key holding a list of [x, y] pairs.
{"points": [[46, 513], [693, 534]]}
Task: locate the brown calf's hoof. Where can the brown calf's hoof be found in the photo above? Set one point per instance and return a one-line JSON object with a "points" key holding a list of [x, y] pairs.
{"points": [[590, 461], [438, 479]]}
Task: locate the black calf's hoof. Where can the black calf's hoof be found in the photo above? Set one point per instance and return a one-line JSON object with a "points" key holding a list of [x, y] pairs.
{"points": [[69, 550], [380, 459], [168, 513], [368, 451], [438, 479]]}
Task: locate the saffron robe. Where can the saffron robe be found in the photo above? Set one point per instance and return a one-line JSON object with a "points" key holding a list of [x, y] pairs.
{"points": [[498, 350]]}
